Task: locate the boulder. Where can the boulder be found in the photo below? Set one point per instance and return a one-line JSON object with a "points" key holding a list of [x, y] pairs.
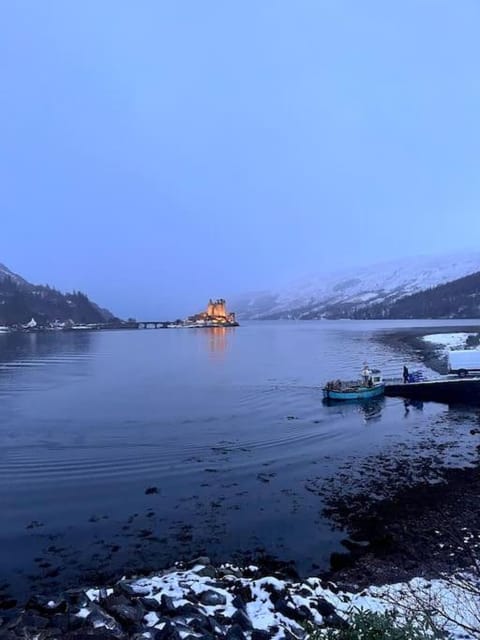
{"points": [[47, 605], [235, 633], [212, 598], [241, 618], [168, 632]]}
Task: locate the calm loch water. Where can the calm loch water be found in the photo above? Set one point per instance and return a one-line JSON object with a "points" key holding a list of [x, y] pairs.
{"points": [[124, 451]]}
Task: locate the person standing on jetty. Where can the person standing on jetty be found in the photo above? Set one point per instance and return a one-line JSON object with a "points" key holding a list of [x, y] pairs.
{"points": [[405, 374]]}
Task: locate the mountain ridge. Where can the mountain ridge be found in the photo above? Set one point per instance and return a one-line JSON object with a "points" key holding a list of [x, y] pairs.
{"points": [[20, 301], [343, 293]]}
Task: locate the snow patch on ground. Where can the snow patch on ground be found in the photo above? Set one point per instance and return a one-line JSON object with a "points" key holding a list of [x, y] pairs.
{"points": [[448, 340], [452, 606]]}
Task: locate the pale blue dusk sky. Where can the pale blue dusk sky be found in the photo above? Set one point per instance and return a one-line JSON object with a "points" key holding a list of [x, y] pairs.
{"points": [[155, 153]]}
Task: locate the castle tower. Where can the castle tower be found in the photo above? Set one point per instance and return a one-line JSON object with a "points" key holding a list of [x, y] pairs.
{"points": [[219, 308]]}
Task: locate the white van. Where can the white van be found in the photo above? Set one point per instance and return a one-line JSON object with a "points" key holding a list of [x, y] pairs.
{"points": [[463, 362]]}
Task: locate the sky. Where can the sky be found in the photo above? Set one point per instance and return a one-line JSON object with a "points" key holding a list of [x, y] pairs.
{"points": [[154, 154]]}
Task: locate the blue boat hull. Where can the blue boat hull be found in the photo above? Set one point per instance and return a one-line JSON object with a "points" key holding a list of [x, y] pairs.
{"points": [[361, 393]]}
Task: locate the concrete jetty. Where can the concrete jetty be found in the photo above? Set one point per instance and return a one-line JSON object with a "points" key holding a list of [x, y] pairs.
{"points": [[448, 389]]}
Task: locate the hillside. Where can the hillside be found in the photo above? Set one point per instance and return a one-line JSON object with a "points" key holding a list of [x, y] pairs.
{"points": [[20, 301], [457, 299], [351, 292]]}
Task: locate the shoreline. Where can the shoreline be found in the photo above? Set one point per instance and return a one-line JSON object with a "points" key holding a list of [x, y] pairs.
{"points": [[392, 540], [200, 600], [416, 530]]}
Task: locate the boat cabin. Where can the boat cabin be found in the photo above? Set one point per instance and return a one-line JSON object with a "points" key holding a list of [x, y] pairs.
{"points": [[371, 377]]}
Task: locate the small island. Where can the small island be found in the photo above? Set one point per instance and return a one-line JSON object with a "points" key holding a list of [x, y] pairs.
{"points": [[216, 315]]}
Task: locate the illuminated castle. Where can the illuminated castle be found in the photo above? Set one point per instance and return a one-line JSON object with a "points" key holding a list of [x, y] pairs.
{"points": [[216, 313], [217, 309]]}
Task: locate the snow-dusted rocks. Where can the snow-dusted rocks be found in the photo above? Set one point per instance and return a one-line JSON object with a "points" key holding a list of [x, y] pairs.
{"points": [[234, 604]]}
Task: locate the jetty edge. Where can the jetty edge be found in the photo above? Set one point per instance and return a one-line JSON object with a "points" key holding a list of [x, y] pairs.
{"points": [[448, 389]]}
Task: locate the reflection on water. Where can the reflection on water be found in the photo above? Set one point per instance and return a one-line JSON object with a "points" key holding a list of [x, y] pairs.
{"points": [[45, 353], [217, 340], [412, 404], [372, 409], [369, 409]]}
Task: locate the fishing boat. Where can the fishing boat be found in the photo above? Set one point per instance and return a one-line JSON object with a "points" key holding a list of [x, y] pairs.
{"points": [[4, 329], [370, 385]]}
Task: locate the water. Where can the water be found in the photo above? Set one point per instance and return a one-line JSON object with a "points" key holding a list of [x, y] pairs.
{"points": [[225, 426]]}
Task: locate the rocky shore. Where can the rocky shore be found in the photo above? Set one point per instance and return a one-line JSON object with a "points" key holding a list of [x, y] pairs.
{"points": [[410, 342], [426, 529], [205, 602]]}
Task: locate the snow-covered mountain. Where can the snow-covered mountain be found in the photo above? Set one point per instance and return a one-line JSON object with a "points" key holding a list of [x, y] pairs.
{"points": [[322, 295]]}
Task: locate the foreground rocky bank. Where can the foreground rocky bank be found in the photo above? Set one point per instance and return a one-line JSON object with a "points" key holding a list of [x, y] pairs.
{"points": [[203, 601]]}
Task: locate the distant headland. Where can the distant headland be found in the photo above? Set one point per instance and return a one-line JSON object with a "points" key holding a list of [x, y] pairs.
{"points": [[216, 315]]}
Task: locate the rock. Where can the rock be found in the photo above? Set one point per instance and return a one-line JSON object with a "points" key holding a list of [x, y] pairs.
{"points": [[324, 607], [169, 632], [151, 490], [77, 597], [336, 621], [61, 621], [47, 605], [150, 604], [166, 605], [209, 572], [355, 547], [239, 603], [90, 634], [33, 620], [146, 634], [75, 622], [290, 611], [212, 598], [274, 594], [235, 633], [12, 622], [8, 635], [187, 609], [200, 624], [229, 571], [131, 590], [102, 594], [216, 629], [115, 599], [99, 618], [241, 618], [260, 634], [126, 613], [305, 611], [243, 591], [52, 633]]}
